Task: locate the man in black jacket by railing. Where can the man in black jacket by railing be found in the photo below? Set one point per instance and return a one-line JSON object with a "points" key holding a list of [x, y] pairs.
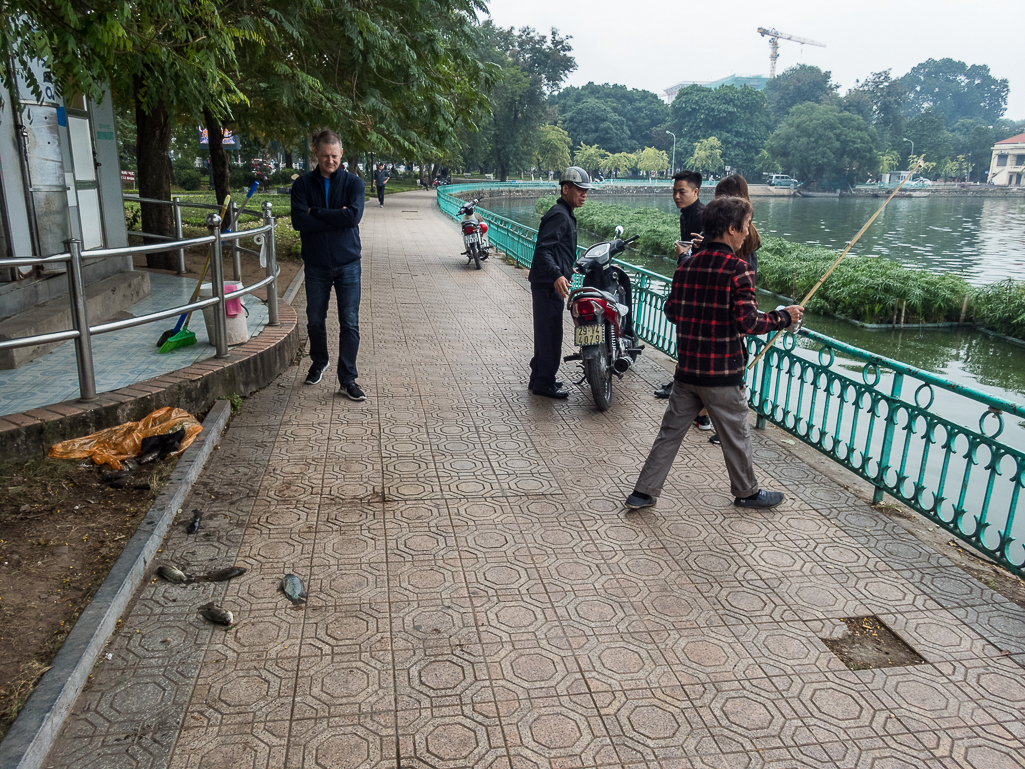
{"points": [[550, 271], [327, 205]]}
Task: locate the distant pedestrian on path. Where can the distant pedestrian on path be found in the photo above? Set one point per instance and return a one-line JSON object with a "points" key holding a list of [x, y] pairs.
{"points": [[381, 178], [327, 205], [712, 303], [555, 253]]}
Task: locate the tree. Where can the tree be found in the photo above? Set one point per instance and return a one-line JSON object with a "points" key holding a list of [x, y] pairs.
{"points": [[797, 85], [621, 162], [887, 97], [889, 161], [974, 141], [640, 110], [738, 117], [591, 158], [707, 156], [929, 134], [821, 143], [652, 161], [532, 67], [767, 164], [956, 91], [594, 122], [553, 148]]}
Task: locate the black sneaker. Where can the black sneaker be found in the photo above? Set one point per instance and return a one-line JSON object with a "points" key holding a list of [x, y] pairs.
{"points": [[703, 422], [316, 374], [714, 440], [353, 392], [664, 391]]}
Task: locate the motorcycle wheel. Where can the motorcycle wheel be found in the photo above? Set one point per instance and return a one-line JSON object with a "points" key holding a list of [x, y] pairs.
{"points": [[475, 255], [599, 375]]}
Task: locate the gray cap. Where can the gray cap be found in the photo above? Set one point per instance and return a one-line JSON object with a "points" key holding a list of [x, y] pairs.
{"points": [[577, 176]]}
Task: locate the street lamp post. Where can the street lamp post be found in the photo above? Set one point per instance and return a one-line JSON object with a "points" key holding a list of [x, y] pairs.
{"points": [[673, 164], [912, 148]]}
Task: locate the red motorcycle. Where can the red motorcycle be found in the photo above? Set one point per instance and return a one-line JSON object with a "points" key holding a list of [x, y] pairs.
{"points": [[602, 319]]}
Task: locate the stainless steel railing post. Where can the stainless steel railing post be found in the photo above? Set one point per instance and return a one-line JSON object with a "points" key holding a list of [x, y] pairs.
{"points": [[80, 322], [213, 224], [236, 255], [177, 208], [272, 266]]}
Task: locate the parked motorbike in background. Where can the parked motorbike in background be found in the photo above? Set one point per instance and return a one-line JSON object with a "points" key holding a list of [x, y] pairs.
{"points": [[474, 231], [602, 319]]}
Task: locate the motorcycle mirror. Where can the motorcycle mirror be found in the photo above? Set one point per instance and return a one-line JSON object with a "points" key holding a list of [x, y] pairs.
{"points": [[619, 230]]}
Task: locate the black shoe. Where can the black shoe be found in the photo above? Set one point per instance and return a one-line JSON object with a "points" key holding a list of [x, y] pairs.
{"points": [[556, 393], [703, 422], [664, 391], [353, 392], [316, 374], [637, 500], [762, 500], [714, 440]]}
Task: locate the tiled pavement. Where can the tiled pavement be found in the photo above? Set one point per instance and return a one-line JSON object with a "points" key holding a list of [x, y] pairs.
{"points": [[480, 598]]}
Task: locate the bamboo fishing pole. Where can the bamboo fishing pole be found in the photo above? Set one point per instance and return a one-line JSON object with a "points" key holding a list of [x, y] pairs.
{"points": [[839, 259]]}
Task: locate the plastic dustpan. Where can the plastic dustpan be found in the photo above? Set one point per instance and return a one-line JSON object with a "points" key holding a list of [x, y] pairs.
{"points": [[183, 338]]}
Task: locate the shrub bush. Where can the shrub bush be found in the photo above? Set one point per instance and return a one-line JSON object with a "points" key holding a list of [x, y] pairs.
{"points": [[282, 177], [189, 179]]}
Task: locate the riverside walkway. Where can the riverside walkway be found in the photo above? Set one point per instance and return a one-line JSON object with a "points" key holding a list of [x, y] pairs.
{"points": [[479, 596]]}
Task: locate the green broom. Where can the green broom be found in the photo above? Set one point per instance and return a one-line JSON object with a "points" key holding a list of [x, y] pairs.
{"points": [[180, 335]]}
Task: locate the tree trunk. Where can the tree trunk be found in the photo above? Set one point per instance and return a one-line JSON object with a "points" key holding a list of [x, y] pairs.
{"points": [[288, 159], [153, 137], [503, 173], [218, 157]]}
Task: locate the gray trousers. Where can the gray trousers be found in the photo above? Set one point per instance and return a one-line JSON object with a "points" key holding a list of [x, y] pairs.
{"points": [[727, 407]]}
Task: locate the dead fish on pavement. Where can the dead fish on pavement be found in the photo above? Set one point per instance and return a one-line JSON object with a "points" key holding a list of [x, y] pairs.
{"points": [[293, 589], [216, 614], [222, 575], [193, 526], [172, 574]]}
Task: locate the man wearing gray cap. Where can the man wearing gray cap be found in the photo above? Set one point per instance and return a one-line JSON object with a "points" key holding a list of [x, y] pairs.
{"points": [[554, 255]]}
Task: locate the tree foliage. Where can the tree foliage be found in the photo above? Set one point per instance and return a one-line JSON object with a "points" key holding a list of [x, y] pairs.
{"points": [[595, 122], [553, 148], [641, 111], [955, 90], [591, 158], [799, 84], [820, 143], [707, 156], [652, 161], [738, 117]]}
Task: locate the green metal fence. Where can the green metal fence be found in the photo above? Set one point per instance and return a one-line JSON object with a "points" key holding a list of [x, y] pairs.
{"points": [[904, 430]]}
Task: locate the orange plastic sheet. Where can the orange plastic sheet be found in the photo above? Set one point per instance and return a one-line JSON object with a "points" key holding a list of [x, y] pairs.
{"points": [[111, 446]]}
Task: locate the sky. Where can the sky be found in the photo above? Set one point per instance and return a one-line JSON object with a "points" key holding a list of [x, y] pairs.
{"points": [[654, 44]]}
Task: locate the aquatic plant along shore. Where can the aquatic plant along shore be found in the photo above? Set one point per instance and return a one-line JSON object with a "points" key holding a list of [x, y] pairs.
{"points": [[867, 289]]}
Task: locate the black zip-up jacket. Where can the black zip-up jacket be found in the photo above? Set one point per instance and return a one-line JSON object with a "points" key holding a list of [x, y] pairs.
{"points": [[330, 231], [555, 252]]}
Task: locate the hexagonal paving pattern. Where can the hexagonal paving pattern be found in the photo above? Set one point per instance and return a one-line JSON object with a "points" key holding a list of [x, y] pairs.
{"points": [[479, 597]]}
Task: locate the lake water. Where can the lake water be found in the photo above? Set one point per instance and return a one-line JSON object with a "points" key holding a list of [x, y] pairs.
{"points": [[981, 239]]}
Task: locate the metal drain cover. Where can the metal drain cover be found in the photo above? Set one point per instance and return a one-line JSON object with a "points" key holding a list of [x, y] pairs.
{"points": [[870, 644]]}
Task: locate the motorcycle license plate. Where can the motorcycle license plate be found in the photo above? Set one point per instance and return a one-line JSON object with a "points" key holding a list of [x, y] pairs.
{"points": [[471, 237], [585, 335]]}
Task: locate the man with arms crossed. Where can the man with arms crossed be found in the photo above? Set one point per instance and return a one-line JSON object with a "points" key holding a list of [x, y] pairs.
{"points": [[555, 253], [327, 205], [712, 303]]}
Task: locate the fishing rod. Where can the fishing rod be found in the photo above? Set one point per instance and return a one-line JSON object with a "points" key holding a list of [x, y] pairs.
{"points": [[839, 259]]}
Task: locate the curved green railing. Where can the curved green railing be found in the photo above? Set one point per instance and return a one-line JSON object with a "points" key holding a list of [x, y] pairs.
{"points": [[902, 429]]}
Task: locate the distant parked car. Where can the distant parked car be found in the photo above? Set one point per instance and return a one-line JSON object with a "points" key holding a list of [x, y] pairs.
{"points": [[782, 180]]}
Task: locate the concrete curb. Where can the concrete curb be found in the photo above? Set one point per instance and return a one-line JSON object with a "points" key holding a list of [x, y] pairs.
{"points": [[32, 735]]}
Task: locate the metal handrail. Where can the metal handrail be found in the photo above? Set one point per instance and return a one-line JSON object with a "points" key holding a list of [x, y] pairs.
{"points": [[82, 332], [964, 479]]}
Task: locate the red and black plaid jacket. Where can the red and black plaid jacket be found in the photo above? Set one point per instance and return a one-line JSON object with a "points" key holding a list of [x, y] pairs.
{"points": [[712, 302]]}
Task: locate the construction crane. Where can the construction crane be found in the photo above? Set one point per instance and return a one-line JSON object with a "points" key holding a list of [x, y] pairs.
{"points": [[775, 36]]}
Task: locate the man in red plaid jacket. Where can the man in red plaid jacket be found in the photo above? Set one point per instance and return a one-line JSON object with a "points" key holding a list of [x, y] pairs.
{"points": [[712, 302]]}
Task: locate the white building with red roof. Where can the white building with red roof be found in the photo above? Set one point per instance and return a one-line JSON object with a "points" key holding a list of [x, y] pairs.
{"points": [[1007, 168]]}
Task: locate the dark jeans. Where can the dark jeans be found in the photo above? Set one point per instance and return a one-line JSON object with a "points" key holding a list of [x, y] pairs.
{"points": [[345, 281], [548, 307], [380, 193]]}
